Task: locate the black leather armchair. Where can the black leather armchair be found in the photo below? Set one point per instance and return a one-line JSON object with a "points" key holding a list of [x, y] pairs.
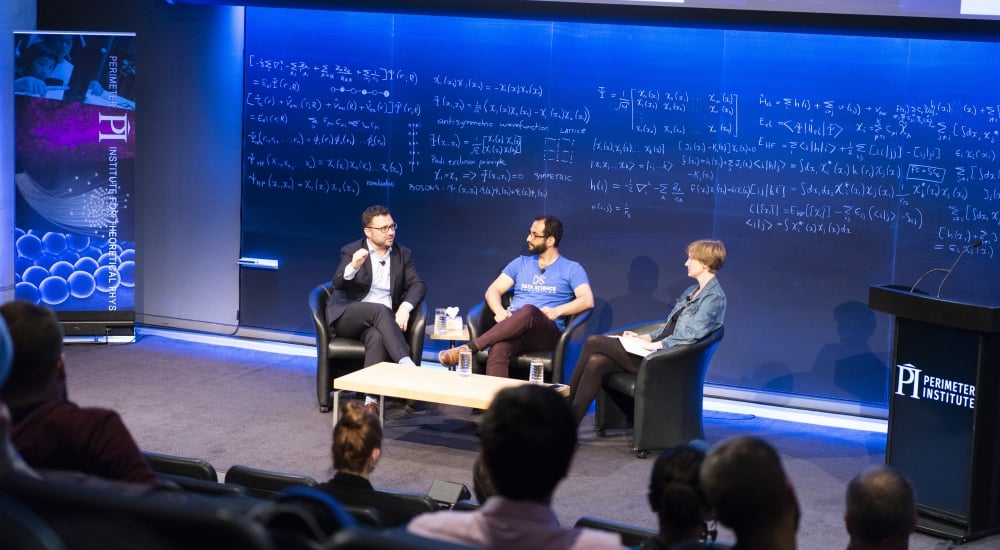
{"points": [[338, 356], [662, 402], [519, 365]]}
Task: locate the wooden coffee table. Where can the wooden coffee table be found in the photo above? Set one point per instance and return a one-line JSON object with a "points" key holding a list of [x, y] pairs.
{"points": [[424, 384]]}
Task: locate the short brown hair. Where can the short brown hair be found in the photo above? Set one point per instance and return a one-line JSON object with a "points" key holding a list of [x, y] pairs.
{"points": [[371, 212], [709, 252]]}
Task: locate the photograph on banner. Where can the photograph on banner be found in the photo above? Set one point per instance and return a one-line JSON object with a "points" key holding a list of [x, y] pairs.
{"points": [[74, 163]]}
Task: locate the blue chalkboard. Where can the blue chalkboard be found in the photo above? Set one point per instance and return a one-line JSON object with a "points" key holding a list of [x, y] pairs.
{"points": [[826, 162]]}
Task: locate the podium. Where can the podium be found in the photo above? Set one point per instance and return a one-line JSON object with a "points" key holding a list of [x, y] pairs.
{"points": [[943, 409]]}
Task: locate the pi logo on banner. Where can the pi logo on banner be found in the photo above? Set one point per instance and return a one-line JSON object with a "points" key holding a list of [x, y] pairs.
{"points": [[117, 127], [908, 380]]}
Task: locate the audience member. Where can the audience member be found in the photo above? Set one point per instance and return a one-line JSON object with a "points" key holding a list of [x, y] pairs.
{"points": [[49, 431], [547, 287], [528, 438], [482, 485], [746, 486], [675, 497], [881, 513], [700, 310], [375, 288], [356, 449], [10, 460]]}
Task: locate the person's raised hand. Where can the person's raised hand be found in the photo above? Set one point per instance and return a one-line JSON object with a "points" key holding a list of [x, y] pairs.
{"points": [[359, 258]]}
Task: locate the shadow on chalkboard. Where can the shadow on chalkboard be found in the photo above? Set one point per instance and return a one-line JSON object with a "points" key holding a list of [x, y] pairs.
{"points": [[857, 372], [855, 368], [637, 304]]}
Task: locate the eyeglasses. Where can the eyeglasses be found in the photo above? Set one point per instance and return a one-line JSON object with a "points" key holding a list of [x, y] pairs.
{"points": [[534, 236], [385, 228]]}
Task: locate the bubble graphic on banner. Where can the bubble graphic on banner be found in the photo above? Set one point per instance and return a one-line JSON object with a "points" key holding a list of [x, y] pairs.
{"points": [[55, 243], [52, 268], [62, 269], [78, 242], [29, 246], [106, 279], [27, 291], [34, 275], [126, 272], [55, 290], [81, 284], [86, 264]]}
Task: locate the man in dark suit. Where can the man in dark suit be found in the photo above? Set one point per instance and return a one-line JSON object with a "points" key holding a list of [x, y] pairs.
{"points": [[374, 290]]}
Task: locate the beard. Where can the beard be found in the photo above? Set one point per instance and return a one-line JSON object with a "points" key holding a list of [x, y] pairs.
{"points": [[537, 248]]}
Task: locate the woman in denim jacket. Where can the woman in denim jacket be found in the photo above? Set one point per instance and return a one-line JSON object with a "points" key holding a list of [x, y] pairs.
{"points": [[700, 310]]}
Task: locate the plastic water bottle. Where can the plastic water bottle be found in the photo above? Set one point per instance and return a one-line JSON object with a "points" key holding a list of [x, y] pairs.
{"points": [[440, 321], [537, 373], [464, 367]]}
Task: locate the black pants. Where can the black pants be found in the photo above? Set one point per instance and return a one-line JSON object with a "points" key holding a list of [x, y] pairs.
{"points": [[600, 357], [375, 325]]}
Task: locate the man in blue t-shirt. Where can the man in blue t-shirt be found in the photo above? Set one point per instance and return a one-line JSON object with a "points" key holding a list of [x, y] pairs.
{"points": [[546, 287]]}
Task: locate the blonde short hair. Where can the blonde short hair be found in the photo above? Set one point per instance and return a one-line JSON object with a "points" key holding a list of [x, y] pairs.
{"points": [[709, 252]]}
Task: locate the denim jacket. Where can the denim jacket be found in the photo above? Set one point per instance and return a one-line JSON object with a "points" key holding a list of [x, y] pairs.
{"points": [[703, 315]]}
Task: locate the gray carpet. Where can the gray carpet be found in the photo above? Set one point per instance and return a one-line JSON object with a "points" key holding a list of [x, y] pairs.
{"points": [[235, 406]]}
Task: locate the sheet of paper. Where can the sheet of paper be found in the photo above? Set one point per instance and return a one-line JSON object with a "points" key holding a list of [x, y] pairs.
{"points": [[632, 346]]}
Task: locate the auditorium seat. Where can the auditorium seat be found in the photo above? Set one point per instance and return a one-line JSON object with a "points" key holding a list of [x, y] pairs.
{"points": [[662, 402], [192, 474], [88, 512], [339, 356], [266, 483], [174, 465]]}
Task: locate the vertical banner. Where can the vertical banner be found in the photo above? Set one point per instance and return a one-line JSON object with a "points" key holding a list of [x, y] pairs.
{"points": [[74, 161]]}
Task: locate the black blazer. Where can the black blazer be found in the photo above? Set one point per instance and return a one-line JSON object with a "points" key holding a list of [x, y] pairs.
{"points": [[405, 284], [352, 490]]}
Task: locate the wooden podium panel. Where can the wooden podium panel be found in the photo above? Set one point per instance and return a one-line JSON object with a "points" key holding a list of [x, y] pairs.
{"points": [[943, 411]]}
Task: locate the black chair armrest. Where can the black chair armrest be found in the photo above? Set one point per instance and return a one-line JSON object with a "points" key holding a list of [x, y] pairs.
{"points": [[575, 330], [678, 372], [317, 305], [415, 331]]}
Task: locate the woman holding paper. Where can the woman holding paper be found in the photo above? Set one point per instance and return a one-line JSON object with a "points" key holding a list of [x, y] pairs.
{"points": [[700, 310]]}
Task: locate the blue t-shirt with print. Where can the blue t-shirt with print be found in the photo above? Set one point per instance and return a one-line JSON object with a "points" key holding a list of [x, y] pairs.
{"points": [[550, 289]]}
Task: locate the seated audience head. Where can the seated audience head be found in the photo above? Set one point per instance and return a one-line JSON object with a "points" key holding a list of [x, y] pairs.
{"points": [[880, 510], [357, 440], [37, 372], [709, 252], [745, 485], [482, 485], [675, 495], [528, 438]]}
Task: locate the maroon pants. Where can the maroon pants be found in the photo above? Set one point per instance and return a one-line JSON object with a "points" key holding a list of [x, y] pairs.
{"points": [[600, 357], [527, 329]]}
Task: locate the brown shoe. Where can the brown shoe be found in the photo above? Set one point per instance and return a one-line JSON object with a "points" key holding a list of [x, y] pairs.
{"points": [[449, 357], [372, 407]]}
